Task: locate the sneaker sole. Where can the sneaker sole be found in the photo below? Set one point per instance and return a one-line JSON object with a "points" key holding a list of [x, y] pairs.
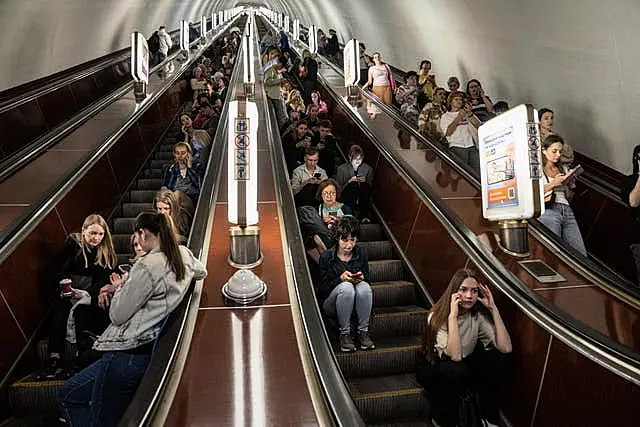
{"points": [[347, 350], [367, 348]]}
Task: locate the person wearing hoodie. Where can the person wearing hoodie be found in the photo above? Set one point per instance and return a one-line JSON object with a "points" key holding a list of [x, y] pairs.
{"points": [[630, 193]]}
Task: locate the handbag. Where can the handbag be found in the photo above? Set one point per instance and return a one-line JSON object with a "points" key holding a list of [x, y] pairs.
{"points": [[80, 282], [392, 82], [469, 411]]}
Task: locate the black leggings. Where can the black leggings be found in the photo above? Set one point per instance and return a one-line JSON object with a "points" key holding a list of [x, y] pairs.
{"points": [[483, 371], [89, 318]]}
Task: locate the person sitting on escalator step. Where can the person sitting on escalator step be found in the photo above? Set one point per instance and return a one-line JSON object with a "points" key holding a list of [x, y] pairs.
{"points": [[356, 178], [181, 175], [344, 285], [465, 348], [630, 193], [83, 268], [100, 394]]}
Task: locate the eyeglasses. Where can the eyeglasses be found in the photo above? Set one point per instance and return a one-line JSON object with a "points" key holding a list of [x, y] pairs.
{"points": [[329, 193]]}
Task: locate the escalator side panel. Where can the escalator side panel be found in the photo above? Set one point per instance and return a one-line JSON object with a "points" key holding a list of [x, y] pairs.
{"points": [[606, 226]]}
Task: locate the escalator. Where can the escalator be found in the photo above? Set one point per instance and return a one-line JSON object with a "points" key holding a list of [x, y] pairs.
{"points": [[596, 204], [118, 181], [434, 230]]}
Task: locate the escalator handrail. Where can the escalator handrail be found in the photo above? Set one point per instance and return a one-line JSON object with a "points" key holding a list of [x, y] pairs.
{"points": [[22, 226], [587, 341], [343, 409], [582, 338], [82, 72], [160, 369], [597, 272], [17, 160]]}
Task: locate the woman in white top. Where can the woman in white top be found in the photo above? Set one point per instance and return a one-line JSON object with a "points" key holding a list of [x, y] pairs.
{"points": [[558, 215], [460, 127], [380, 80], [465, 346]]}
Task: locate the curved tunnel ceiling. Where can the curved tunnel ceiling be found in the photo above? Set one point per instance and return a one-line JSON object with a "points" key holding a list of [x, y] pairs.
{"points": [[577, 58]]}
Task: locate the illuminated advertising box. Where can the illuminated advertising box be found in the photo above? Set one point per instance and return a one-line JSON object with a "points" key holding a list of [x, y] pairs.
{"points": [[139, 58], [313, 39], [184, 35], [296, 29], [510, 165], [351, 63]]}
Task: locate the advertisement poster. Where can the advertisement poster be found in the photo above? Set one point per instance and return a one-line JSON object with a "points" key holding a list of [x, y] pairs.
{"points": [[500, 163]]}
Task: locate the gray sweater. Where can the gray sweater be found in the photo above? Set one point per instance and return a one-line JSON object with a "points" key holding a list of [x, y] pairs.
{"points": [[149, 294]]}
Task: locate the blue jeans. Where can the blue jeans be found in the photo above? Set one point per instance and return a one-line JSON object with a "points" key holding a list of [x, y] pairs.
{"points": [[560, 220], [280, 109], [470, 156], [341, 301], [99, 395]]}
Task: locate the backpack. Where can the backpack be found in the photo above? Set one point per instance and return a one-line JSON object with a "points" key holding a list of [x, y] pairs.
{"points": [[154, 42]]}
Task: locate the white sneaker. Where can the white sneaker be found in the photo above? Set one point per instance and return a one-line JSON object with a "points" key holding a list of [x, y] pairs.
{"points": [[490, 424]]}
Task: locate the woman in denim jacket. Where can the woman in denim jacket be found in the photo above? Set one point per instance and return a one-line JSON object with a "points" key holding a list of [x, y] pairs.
{"points": [[100, 394]]}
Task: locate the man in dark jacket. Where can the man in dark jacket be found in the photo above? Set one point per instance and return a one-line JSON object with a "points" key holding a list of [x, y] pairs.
{"points": [[344, 287], [630, 193]]}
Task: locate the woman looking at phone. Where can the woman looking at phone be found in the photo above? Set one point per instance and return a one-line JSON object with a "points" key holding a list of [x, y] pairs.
{"points": [[85, 263], [344, 287], [100, 394], [465, 345], [558, 215]]}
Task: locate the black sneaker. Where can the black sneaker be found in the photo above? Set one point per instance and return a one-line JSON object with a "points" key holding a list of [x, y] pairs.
{"points": [[52, 371], [365, 341], [346, 343]]}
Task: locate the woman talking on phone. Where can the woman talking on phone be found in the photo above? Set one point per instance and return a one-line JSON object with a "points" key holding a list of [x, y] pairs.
{"points": [[155, 285], [558, 215], [344, 284], [465, 345]]}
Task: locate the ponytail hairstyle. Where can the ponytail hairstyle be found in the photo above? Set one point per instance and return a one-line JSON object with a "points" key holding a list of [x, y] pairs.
{"points": [[106, 254], [439, 313], [159, 225]]}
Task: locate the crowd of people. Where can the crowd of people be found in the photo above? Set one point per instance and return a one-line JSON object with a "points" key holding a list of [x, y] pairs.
{"points": [[451, 117], [466, 343], [113, 312]]}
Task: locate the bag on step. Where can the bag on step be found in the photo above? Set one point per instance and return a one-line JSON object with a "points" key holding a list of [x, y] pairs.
{"points": [[469, 414]]}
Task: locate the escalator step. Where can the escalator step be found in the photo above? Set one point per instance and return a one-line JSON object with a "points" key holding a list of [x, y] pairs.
{"points": [[33, 420], [122, 243], [378, 250], [392, 356], [123, 225], [153, 173], [43, 354], [158, 164], [142, 196], [29, 396], [386, 270], [389, 397], [131, 210], [163, 155], [386, 294], [149, 184], [398, 321], [165, 148], [370, 232]]}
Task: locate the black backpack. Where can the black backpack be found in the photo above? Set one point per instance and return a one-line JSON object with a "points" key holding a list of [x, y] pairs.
{"points": [[154, 43]]}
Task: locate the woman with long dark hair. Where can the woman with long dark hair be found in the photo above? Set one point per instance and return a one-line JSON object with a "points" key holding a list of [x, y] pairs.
{"points": [[157, 282], [558, 215], [464, 346]]}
